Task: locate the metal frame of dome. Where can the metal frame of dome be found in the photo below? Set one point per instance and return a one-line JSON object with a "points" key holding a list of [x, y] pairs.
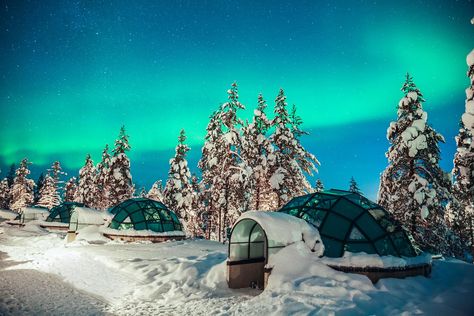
{"points": [[62, 213], [348, 221], [144, 214]]}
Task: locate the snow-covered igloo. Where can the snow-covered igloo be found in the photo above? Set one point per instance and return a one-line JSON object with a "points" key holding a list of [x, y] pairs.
{"points": [[143, 219], [33, 213], [255, 237], [356, 229], [81, 217]]}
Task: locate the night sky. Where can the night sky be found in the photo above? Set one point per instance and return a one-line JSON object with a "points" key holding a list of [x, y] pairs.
{"points": [[72, 72]]}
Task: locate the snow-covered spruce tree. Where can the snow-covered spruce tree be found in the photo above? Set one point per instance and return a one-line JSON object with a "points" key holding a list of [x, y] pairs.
{"points": [[87, 191], [256, 150], [11, 175], [353, 187], [291, 159], [4, 194], [413, 187], [461, 210], [102, 181], [38, 187], [49, 193], [22, 188], [70, 190], [178, 193], [210, 171], [156, 191], [319, 186], [121, 186], [195, 221]]}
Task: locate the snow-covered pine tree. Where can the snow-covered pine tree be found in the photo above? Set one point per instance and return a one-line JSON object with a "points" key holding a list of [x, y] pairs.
{"points": [[102, 181], [156, 191], [142, 193], [11, 175], [413, 187], [121, 186], [178, 193], [291, 159], [461, 211], [22, 189], [210, 170], [256, 150], [194, 224], [39, 185], [353, 187], [87, 191], [4, 194], [50, 190], [70, 190], [319, 187]]}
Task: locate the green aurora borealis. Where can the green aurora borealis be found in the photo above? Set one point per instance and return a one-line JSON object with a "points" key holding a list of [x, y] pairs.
{"points": [[73, 72]]}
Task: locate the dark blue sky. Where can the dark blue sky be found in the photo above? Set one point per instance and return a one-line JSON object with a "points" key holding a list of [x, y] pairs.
{"points": [[72, 72]]}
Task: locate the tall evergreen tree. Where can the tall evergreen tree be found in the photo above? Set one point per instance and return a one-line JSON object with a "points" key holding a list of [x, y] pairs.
{"points": [[22, 189], [461, 211], [5, 194], [121, 186], [38, 187], [319, 187], [11, 175], [87, 191], [256, 150], [194, 224], [70, 190], [291, 159], [353, 187], [178, 193], [413, 187], [156, 191], [102, 181]]}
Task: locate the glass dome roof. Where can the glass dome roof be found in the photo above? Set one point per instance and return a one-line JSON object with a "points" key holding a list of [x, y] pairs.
{"points": [[350, 222], [62, 212], [144, 214]]}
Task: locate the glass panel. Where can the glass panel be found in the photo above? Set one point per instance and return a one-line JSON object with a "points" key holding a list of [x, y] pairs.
{"points": [[140, 226], [385, 248], [238, 252], [370, 227], [166, 215], [360, 247], [168, 226], [242, 230], [332, 248], [154, 226], [347, 209], [297, 201], [356, 234], [120, 216], [257, 234], [137, 217], [124, 226], [335, 226], [114, 224], [402, 244], [314, 217], [257, 250]]}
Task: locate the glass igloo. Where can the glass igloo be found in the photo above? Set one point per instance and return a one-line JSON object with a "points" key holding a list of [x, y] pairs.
{"points": [[350, 222], [62, 212], [144, 214]]}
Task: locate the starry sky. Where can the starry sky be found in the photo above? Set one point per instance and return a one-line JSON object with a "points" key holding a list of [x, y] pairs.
{"points": [[72, 72]]}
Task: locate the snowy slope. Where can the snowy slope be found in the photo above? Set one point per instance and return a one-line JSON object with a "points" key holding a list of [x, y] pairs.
{"points": [[188, 277]]}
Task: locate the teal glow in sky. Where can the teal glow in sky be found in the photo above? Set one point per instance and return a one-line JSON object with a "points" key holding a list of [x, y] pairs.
{"points": [[72, 72]]}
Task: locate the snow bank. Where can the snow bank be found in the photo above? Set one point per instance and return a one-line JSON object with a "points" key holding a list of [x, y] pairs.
{"points": [[364, 260], [7, 214], [133, 232], [283, 229], [91, 235]]}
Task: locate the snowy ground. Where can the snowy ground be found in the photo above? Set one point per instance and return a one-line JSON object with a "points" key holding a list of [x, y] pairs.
{"points": [[43, 275]]}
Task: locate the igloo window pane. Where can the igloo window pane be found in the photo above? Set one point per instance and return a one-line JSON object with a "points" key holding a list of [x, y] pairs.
{"points": [[384, 247], [370, 226], [402, 244], [360, 247], [238, 252], [125, 226], [347, 209], [139, 226], [257, 250], [356, 234], [332, 248], [156, 227], [314, 217], [168, 226], [257, 234], [298, 201], [137, 216], [241, 231], [335, 226]]}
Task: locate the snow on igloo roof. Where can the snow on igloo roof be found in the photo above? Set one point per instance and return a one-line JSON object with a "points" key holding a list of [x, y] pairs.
{"points": [[144, 214], [349, 222], [282, 229], [62, 212], [84, 215]]}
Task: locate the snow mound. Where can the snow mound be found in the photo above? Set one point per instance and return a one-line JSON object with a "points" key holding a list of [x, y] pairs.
{"points": [[6, 214], [133, 232]]}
